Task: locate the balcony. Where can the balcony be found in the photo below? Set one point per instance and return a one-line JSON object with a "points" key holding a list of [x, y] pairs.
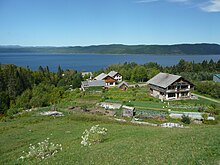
{"points": [[177, 90]]}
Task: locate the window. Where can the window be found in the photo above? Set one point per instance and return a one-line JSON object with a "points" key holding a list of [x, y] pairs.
{"points": [[171, 95]]}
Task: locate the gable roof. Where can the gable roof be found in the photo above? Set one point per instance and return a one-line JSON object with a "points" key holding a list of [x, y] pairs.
{"points": [[112, 73], [93, 83], [100, 76], [123, 82], [163, 79]]}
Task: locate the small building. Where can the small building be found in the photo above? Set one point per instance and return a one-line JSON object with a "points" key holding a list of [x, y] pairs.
{"points": [[117, 76], [128, 111], [216, 77], [109, 81], [92, 83], [168, 86], [110, 105], [123, 86]]}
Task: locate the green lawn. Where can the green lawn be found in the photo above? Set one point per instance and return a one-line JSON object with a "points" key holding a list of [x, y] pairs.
{"points": [[125, 143]]}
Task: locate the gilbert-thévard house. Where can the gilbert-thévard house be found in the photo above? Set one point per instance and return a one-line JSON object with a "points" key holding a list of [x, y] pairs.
{"points": [[103, 80], [168, 86], [111, 79]]}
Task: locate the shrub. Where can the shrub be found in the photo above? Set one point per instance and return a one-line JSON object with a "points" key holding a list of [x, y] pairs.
{"points": [[205, 116], [186, 119], [42, 150], [95, 135], [210, 122]]}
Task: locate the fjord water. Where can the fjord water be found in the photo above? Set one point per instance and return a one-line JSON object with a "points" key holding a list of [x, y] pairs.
{"points": [[92, 62]]}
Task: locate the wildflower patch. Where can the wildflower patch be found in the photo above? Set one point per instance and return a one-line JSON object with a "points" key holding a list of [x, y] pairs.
{"points": [[41, 151], [95, 135]]}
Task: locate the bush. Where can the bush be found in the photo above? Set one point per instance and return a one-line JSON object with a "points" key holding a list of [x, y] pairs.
{"points": [[42, 150], [186, 119], [95, 135]]}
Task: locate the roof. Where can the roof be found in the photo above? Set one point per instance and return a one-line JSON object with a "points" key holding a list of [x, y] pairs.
{"points": [[93, 83], [123, 82], [217, 75], [163, 79], [112, 73], [127, 107], [100, 76]]}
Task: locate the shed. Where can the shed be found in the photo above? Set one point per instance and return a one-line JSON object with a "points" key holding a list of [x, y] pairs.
{"points": [[123, 85], [110, 105], [128, 111]]}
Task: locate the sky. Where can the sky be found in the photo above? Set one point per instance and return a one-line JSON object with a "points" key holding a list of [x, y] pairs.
{"points": [[96, 22]]}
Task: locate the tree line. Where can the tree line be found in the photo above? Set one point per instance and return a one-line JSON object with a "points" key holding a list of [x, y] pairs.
{"points": [[143, 72], [23, 88]]}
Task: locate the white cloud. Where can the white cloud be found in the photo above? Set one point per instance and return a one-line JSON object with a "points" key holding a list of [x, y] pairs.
{"points": [[179, 0], [146, 1], [212, 6]]}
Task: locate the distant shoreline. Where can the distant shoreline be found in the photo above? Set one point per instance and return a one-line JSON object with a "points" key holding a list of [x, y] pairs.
{"points": [[50, 53], [118, 49]]}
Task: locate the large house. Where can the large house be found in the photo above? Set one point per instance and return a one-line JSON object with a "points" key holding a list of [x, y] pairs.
{"points": [[168, 86], [110, 79], [216, 77]]}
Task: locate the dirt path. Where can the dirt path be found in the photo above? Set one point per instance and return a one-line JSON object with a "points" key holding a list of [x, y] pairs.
{"points": [[207, 98]]}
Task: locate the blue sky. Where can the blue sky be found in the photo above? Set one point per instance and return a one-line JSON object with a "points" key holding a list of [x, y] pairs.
{"points": [[94, 22]]}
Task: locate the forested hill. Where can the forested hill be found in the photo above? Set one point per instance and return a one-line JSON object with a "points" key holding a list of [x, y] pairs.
{"points": [[200, 49]]}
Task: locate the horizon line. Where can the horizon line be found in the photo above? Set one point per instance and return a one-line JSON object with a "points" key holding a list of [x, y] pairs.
{"points": [[141, 44]]}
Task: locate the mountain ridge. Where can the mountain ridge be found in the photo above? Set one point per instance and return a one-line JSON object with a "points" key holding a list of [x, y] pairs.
{"points": [[193, 49]]}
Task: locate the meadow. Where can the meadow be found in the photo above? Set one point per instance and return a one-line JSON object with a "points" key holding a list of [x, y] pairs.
{"points": [[125, 143]]}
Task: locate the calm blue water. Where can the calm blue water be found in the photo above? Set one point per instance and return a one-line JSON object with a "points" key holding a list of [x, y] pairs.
{"points": [[92, 62]]}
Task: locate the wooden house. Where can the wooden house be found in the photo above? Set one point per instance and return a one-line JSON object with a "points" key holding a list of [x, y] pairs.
{"points": [[109, 81], [168, 86], [117, 76]]}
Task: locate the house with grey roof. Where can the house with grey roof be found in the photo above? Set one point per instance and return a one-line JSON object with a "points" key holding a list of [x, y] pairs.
{"points": [[216, 77], [117, 76], [101, 76], [168, 86], [111, 79], [92, 83]]}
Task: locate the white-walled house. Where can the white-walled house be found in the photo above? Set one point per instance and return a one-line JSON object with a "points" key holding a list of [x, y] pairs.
{"points": [[117, 76], [168, 86]]}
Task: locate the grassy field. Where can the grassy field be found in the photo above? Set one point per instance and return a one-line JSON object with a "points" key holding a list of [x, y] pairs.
{"points": [[125, 143]]}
